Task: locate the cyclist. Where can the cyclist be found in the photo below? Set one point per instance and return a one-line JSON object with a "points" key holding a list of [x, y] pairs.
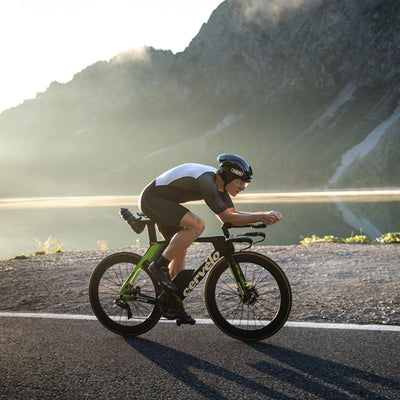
{"points": [[162, 201]]}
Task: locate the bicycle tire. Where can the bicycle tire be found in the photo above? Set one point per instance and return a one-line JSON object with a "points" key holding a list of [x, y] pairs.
{"points": [[105, 283], [262, 315]]}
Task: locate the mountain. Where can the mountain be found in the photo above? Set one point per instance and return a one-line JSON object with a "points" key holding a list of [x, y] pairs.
{"points": [[308, 91]]}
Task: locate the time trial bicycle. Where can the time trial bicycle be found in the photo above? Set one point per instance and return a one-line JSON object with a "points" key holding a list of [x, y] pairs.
{"points": [[247, 294]]}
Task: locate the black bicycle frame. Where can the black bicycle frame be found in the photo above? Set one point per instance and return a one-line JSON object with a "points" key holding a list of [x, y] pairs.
{"points": [[223, 247]]}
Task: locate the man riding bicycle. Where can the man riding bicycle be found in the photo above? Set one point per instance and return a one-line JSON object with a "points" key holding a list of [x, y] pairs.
{"points": [[162, 201]]}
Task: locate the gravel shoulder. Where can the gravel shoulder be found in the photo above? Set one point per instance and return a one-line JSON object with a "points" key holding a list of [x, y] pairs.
{"points": [[341, 283]]}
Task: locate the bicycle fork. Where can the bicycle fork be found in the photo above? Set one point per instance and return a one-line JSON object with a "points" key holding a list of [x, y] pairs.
{"points": [[245, 290]]}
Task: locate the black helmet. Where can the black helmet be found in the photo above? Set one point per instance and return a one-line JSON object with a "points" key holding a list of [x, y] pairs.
{"points": [[232, 166]]}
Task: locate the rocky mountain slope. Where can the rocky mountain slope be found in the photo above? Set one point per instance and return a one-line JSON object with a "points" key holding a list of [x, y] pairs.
{"points": [[307, 90]]}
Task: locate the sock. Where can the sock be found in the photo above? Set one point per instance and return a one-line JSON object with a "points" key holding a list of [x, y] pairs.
{"points": [[162, 262]]}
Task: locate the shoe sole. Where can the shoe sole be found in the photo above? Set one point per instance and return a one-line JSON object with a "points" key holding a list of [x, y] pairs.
{"points": [[185, 323]]}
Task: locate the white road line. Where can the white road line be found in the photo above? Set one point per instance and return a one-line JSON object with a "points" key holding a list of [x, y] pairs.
{"points": [[318, 325], [46, 315], [205, 321]]}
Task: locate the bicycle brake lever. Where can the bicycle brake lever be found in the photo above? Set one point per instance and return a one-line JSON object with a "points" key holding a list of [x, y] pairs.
{"points": [[240, 240], [250, 234], [253, 234], [259, 226]]}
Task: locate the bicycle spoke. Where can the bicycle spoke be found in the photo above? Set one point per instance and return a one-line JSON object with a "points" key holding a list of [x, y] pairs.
{"points": [[109, 288], [252, 311]]}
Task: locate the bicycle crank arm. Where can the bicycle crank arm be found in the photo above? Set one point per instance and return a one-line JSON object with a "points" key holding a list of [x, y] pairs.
{"points": [[146, 299], [142, 298]]}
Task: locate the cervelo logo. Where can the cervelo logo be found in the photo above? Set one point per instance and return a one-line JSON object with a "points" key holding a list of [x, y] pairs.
{"points": [[202, 272], [237, 172]]}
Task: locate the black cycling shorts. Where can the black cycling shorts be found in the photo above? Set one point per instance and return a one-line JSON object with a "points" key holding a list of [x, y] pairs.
{"points": [[167, 214]]}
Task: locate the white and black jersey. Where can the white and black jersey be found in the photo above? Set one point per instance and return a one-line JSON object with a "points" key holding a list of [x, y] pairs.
{"points": [[162, 199], [190, 182]]}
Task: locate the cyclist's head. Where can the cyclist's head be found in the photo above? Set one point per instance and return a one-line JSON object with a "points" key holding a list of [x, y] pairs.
{"points": [[232, 166]]}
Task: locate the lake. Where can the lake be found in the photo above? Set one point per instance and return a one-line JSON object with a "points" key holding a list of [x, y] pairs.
{"points": [[86, 223]]}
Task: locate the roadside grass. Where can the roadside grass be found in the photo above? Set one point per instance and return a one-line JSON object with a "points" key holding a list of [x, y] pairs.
{"points": [[52, 246], [391, 237]]}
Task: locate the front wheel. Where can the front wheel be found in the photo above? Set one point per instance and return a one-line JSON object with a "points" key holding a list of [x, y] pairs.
{"points": [[259, 312], [131, 313]]}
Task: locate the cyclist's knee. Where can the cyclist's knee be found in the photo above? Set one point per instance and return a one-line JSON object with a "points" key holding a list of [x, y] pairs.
{"points": [[199, 227], [194, 223]]}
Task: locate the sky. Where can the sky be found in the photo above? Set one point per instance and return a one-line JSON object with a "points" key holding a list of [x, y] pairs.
{"points": [[42, 41]]}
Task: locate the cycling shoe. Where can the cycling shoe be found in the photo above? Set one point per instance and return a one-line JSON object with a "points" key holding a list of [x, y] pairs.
{"points": [[162, 275], [185, 319]]}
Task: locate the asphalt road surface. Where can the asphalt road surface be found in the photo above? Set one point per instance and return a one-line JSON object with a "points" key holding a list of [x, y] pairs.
{"points": [[79, 359]]}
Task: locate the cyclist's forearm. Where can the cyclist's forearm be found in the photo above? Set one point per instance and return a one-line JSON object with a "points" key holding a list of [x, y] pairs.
{"points": [[243, 218]]}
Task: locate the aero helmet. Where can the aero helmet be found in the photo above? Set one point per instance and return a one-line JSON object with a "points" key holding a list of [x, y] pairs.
{"points": [[232, 166]]}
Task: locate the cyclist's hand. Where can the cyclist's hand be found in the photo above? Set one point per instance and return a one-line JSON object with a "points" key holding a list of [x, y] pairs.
{"points": [[271, 217]]}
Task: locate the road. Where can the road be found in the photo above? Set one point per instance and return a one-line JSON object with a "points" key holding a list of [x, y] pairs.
{"points": [[79, 359]]}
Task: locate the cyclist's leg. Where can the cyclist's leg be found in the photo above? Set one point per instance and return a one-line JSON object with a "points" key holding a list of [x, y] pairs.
{"points": [[193, 228], [178, 225], [177, 264], [190, 229]]}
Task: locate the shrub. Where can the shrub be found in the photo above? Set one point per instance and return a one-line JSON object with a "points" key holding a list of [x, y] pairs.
{"points": [[358, 239], [391, 237], [325, 239], [51, 245]]}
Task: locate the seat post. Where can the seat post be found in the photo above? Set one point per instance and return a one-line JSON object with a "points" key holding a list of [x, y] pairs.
{"points": [[152, 231]]}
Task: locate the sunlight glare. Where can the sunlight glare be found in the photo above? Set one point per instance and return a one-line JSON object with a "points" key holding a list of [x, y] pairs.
{"points": [[317, 196], [43, 41]]}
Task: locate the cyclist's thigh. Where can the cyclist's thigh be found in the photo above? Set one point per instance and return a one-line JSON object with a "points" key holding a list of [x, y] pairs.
{"points": [[192, 221], [162, 211], [168, 231]]}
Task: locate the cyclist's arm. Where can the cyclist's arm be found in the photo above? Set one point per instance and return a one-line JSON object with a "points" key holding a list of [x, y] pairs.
{"points": [[216, 201], [243, 218]]}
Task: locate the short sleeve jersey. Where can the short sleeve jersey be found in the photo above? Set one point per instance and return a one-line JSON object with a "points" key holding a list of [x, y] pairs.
{"points": [[188, 182]]}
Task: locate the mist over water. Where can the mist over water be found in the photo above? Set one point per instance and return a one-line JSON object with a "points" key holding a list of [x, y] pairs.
{"points": [[86, 223]]}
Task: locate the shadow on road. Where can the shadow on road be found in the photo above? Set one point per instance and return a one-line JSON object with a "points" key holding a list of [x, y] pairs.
{"points": [[284, 373], [323, 378], [181, 366]]}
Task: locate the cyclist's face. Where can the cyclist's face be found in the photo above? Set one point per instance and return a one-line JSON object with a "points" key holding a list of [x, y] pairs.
{"points": [[235, 187]]}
